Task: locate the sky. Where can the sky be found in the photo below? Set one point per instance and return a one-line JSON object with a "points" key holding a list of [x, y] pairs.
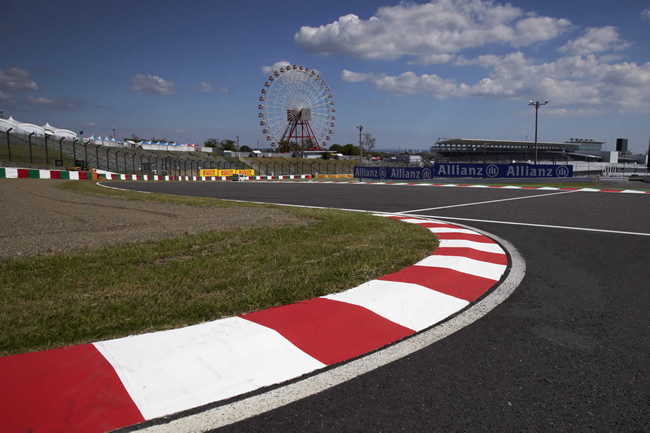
{"points": [[408, 72]]}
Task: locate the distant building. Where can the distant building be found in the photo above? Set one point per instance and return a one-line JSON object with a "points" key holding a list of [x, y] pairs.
{"points": [[587, 144], [411, 160], [484, 150]]}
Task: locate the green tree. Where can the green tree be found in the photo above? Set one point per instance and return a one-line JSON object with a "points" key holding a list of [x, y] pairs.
{"points": [[350, 149], [211, 142], [368, 141], [285, 146], [307, 144], [245, 149], [228, 145], [336, 148]]}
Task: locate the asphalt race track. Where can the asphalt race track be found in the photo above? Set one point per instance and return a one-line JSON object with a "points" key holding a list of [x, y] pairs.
{"points": [[568, 351]]}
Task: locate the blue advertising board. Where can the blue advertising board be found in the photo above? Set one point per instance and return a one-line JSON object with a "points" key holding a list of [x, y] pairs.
{"points": [[464, 170]]}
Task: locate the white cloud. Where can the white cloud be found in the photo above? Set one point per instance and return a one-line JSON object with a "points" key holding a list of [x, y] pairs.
{"points": [[17, 79], [645, 14], [5, 96], [276, 67], [205, 87], [41, 100], [435, 59], [68, 105], [408, 83], [354, 77], [535, 29], [152, 84], [576, 82], [595, 40], [432, 32], [571, 112]]}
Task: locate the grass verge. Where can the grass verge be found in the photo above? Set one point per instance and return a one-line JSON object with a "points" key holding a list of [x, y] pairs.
{"points": [[54, 301]]}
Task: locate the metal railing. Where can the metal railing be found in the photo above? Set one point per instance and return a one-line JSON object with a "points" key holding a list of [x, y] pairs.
{"points": [[33, 151]]}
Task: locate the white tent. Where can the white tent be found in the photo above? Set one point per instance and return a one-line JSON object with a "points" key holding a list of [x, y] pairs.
{"points": [[59, 132], [5, 125], [48, 128], [28, 128]]}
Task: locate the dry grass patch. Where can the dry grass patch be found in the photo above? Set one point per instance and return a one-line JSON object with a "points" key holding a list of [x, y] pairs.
{"points": [[58, 300]]}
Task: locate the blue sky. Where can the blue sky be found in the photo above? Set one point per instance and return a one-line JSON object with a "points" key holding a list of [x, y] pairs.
{"points": [[409, 72]]}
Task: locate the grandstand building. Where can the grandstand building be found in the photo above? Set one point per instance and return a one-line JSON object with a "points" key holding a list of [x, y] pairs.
{"points": [[487, 150]]}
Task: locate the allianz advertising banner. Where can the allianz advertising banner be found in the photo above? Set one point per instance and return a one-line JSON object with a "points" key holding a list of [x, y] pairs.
{"points": [[464, 170]]}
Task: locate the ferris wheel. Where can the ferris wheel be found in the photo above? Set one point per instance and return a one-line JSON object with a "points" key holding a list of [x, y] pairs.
{"points": [[296, 106]]}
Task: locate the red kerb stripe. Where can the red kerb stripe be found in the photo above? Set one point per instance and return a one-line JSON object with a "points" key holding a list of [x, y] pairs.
{"points": [[443, 280], [484, 256], [73, 389], [330, 331], [466, 237]]}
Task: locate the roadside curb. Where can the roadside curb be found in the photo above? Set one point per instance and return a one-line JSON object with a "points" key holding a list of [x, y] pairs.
{"points": [[121, 382], [29, 173]]}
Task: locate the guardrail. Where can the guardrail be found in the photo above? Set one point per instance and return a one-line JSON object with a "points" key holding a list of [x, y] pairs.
{"points": [[27, 173]]}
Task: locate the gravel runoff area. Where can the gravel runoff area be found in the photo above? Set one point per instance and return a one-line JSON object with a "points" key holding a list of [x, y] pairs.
{"points": [[39, 219]]}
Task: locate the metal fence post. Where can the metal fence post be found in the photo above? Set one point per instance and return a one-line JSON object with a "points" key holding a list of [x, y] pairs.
{"points": [[74, 151], [31, 161], [61, 150], [9, 144]]}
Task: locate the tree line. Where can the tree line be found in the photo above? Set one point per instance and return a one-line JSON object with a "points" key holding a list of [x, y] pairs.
{"points": [[367, 140]]}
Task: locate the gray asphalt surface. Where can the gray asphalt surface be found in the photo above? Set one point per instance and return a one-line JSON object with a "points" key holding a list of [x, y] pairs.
{"points": [[568, 351], [40, 219]]}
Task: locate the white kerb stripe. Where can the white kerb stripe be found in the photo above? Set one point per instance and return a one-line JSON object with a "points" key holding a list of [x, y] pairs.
{"points": [[74, 175], [490, 247], [452, 230], [465, 265], [410, 305], [44, 174], [170, 371], [11, 173], [420, 221]]}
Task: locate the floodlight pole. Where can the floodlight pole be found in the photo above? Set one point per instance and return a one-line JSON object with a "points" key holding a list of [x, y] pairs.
{"points": [[536, 104]]}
